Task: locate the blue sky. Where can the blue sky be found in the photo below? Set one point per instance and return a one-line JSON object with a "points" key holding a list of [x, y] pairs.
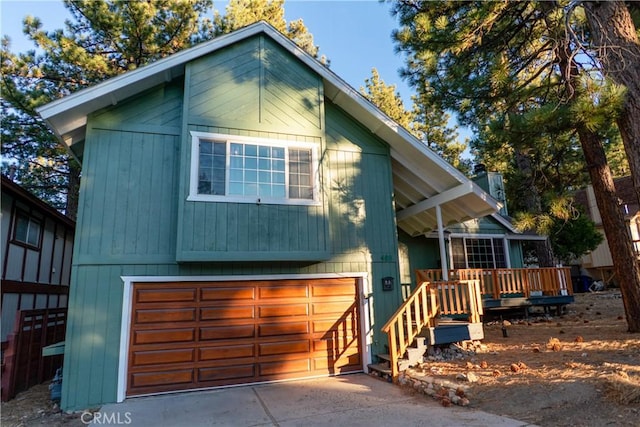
{"points": [[355, 35]]}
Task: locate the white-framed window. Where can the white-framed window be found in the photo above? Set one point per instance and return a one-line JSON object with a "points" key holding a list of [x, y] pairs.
{"points": [[228, 168], [478, 253], [27, 230]]}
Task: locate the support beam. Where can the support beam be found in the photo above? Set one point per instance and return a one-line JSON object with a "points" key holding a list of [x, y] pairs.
{"points": [[443, 251], [437, 200]]}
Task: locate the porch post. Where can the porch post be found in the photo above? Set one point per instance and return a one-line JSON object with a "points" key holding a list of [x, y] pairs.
{"points": [[443, 252]]}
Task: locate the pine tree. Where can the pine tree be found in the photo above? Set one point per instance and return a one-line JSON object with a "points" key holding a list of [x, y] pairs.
{"points": [[425, 121], [101, 39], [510, 70]]}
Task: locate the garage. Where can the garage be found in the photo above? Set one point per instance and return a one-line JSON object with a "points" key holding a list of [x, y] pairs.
{"points": [[190, 335]]}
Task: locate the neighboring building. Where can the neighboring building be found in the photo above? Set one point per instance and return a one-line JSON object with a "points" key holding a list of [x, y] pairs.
{"points": [[37, 245], [238, 221], [598, 264]]}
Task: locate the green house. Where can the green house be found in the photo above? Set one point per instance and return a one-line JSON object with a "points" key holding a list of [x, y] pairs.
{"points": [[241, 209]]}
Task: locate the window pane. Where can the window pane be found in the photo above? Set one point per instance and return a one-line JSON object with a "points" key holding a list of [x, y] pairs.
{"points": [[278, 178], [206, 147], [264, 177], [34, 233], [278, 165], [236, 188], [279, 191], [277, 152], [264, 164], [235, 162], [220, 148], [251, 163], [264, 190], [264, 151], [251, 150], [236, 175], [300, 186], [211, 167], [250, 176], [236, 149], [206, 161], [22, 228], [204, 187], [251, 190]]}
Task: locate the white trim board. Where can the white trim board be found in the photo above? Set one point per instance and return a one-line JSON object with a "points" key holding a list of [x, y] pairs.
{"points": [[127, 298]]}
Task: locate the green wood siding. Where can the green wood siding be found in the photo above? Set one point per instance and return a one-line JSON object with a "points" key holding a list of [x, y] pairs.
{"points": [[127, 208], [254, 85], [485, 225], [256, 89]]}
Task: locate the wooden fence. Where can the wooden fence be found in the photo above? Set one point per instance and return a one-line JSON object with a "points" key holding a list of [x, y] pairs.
{"points": [[23, 365]]}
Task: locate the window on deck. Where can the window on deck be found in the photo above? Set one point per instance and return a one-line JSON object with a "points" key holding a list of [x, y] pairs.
{"points": [[478, 253]]}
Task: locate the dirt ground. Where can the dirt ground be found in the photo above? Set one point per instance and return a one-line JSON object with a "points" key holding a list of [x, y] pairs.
{"points": [[578, 369]]}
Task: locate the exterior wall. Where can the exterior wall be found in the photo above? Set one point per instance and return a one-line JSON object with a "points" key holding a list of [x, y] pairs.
{"points": [[485, 225], [422, 254], [259, 90], [492, 183], [134, 220], [33, 276], [516, 254]]}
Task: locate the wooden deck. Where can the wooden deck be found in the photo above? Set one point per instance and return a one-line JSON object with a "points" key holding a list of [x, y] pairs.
{"points": [[514, 287]]}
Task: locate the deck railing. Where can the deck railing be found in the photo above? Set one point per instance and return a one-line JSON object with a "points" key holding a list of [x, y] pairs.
{"points": [[508, 282], [422, 308]]}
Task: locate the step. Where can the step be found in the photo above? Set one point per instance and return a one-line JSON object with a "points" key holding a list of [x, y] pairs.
{"points": [[381, 368]]}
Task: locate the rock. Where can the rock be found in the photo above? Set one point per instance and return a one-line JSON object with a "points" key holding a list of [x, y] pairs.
{"points": [[462, 377], [514, 367], [484, 364], [579, 339], [472, 378]]}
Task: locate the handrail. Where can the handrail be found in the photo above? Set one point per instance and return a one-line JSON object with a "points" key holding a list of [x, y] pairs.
{"points": [[428, 301], [504, 282], [417, 311]]}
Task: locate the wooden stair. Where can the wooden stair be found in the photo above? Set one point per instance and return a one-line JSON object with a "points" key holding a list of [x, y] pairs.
{"points": [[412, 356]]}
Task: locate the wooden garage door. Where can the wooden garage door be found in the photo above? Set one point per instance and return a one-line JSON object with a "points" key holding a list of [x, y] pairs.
{"points": [[198, 334]]}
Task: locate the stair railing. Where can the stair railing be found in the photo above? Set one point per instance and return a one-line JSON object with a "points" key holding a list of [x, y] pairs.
{"points": [[418, 310], [422, 308]]}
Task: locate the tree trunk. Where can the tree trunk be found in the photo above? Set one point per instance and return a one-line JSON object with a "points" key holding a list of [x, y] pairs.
{"points": [[614, 36], [625, 265]]}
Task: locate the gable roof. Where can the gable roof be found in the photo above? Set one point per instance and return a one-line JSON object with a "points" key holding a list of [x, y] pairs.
{"points": [[422, 180], [10, 187]]}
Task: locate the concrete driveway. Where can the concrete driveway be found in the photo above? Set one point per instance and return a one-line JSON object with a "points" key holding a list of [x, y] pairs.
{"points": [[349, 400]]}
